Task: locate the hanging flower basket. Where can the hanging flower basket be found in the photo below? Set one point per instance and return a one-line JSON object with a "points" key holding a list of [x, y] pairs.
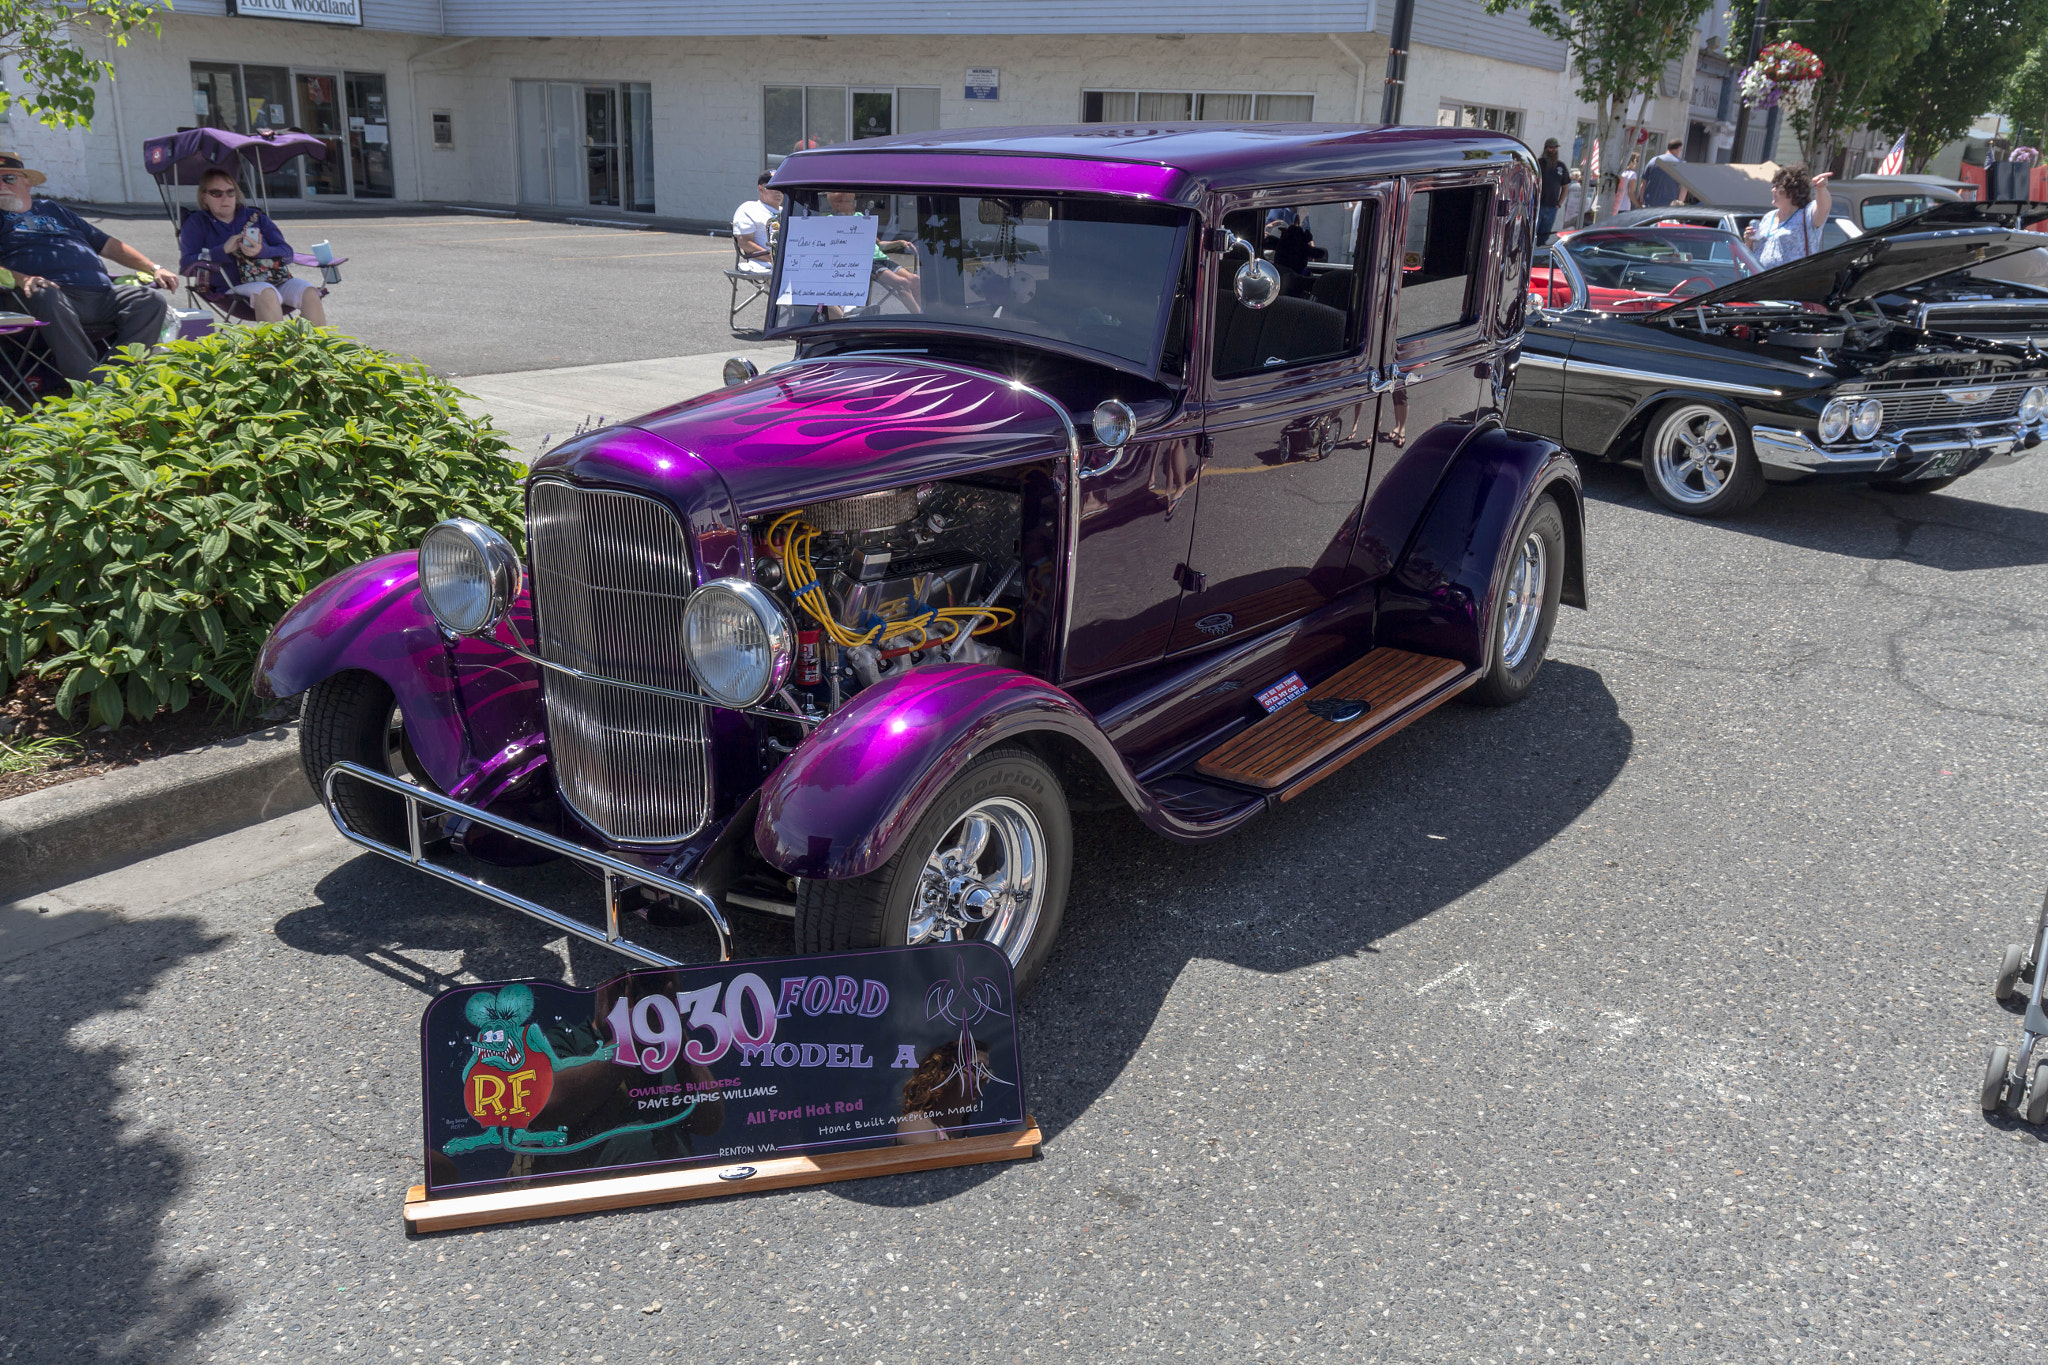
{"points": [[1783, 78]]}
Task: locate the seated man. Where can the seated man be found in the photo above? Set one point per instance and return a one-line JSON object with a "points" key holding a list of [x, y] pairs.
{"points": [[55, 256], [905, 283], [750, 227]]}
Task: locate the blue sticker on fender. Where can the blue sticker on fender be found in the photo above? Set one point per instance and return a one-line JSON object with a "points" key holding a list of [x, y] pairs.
{"points": [[1289, 688]]}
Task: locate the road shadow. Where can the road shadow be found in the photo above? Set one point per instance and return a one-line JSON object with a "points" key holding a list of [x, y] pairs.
{"points": [[1326, 876], [1948, 530], [89, 1187]]}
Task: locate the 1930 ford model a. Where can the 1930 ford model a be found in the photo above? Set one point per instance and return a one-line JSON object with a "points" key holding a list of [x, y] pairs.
{"points": [[1170, 473]]}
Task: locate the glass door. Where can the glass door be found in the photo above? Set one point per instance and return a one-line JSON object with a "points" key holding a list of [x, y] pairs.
{"points": [[320, 114], [369, 136], [601, 144]]}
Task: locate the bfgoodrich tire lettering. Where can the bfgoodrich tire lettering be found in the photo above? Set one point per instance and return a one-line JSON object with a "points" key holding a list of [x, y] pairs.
{"points": [[1524, 607], [990, 859]]}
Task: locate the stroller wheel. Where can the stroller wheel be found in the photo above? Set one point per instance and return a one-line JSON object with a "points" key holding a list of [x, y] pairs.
{"points": [[2009, 972], [2036, 1108], [1993, 1093]]}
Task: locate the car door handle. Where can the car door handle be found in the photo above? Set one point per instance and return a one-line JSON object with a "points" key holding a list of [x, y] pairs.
{"points": [[1387, 380]]}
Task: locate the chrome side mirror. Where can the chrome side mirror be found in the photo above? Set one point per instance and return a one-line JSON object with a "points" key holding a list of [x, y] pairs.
{"points": [[738, 370], [1257, 282]]}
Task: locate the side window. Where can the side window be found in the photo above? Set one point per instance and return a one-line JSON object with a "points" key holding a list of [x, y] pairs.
{"points": [[1875, 213], [1322, 295], [1833, 233], [1442, 252]]}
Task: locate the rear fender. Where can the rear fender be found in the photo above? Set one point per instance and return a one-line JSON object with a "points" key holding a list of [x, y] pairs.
{"points": [[1440, 596], [843, 803], [470, 708]]}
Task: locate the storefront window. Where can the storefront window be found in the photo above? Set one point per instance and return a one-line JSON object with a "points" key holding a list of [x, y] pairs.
{"points": [[1178, 106], [797, 116], [217, 98], [350, 113]]}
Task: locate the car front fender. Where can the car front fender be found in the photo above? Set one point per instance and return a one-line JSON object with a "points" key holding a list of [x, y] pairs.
{"points": [[1439, 599], [463, 704], [843, 803]]}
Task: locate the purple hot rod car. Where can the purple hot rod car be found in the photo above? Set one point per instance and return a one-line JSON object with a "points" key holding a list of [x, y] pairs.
{"points": [[1159, 467]]}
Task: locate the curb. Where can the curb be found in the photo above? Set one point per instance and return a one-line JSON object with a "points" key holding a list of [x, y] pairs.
{"points": [[79, 829]]}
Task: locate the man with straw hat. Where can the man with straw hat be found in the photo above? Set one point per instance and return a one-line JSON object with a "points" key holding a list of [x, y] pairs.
{"points": [[54, 257]]}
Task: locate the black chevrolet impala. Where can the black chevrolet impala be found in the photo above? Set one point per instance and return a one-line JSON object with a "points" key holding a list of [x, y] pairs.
{"points": [[1672, 346]]}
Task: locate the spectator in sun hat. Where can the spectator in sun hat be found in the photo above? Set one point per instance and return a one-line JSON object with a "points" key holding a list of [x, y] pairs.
{"points": [[54, 258]]}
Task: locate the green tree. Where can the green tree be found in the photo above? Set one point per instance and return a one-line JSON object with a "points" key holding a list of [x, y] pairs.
{"points": [[1964, 71], [1619, 51], [2025, 100], [46, 37], [1863, 46]]}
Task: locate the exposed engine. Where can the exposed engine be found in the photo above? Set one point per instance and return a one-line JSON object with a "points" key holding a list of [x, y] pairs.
{"points": [[880, 583], [1877, 345]]}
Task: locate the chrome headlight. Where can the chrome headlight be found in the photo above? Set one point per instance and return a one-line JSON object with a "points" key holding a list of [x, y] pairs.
{"points": [[1114, 422], [738, 370], [738, 641], [1869, 417], [469, 575], [2034, 406], [1835, 419]]}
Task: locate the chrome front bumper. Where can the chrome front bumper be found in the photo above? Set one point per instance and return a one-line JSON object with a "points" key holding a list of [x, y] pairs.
{"points": [[617, 875], [1932, 455]]}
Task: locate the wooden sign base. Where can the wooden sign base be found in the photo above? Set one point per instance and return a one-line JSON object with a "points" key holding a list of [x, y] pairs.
{"points": [[704, 1182]]}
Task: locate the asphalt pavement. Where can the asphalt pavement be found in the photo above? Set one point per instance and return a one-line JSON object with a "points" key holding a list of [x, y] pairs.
{"points": [[1641, 1021], [473, 294]]}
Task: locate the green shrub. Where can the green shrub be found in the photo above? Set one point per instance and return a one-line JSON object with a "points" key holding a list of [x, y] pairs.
{"points": [[153, 528]]}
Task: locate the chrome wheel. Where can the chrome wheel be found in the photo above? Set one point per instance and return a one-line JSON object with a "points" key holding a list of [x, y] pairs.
{"points": [[1694, 455], [984, 881], [1524, 607]]}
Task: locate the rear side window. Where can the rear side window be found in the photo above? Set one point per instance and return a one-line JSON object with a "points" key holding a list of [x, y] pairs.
{"points": [[1442, 251], [1322, 296], [1875, 213]]}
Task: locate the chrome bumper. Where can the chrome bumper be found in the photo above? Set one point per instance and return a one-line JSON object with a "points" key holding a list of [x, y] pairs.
{"points": [[617, 875], [1932, 456]]}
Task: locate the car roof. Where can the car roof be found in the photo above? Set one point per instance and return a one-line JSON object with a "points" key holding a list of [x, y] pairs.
{"points": [[1170, 161]]}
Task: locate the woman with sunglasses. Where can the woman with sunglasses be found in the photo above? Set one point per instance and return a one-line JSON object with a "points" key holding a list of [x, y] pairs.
{"points": [[250, 256]]}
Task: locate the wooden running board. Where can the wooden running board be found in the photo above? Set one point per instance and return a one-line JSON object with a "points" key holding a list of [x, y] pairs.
{"points": [[1286, 744]]}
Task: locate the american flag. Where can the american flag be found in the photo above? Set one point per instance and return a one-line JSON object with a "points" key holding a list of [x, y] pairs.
{"points": [[1594, 175], [1895, 159]]}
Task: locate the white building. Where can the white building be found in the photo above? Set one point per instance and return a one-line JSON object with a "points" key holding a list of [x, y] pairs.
{"points": [[661, 107]]}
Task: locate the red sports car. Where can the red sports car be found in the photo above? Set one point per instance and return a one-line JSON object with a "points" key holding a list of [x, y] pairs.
{"points": [[1636, 269]]}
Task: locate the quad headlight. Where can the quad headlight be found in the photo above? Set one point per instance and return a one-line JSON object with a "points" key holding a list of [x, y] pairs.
{"points": [[469, 575], [2034, 405], [1835, 419], [1869, 417], [738, 641]]}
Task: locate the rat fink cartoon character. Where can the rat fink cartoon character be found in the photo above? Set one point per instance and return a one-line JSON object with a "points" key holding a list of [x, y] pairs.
{"points": [[511, 1074]]}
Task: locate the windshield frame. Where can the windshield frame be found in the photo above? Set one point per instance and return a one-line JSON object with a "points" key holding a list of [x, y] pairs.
{"points": [[1582, 295], [890, 328]]}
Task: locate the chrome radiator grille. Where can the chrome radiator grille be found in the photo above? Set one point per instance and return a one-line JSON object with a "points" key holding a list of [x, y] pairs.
{"points": [[1932, 407], [610, 572]]}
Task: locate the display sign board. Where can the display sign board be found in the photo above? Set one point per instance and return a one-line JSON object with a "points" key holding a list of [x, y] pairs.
{"points": [[828, 260], [309, 11], [531, 1081], [984, 83]]}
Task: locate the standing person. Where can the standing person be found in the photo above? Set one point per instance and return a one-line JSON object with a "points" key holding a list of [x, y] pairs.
{"points": [[750, 226], [1799, 211], [56, 256], [1625, 192], [1572, 207], [1552, 176], [1660, 187], [250, 256]]}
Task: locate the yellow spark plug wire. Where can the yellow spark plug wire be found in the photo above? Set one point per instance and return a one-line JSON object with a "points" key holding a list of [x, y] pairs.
{"points": [[789, 539]]}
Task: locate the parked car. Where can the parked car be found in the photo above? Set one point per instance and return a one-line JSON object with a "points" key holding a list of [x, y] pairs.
{"points": [[1124, 498], [1864, 202], [1778, 376], [1835, 231]]}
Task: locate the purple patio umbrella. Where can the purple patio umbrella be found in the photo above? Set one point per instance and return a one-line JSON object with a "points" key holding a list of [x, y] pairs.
{"points": [[181, 158]]}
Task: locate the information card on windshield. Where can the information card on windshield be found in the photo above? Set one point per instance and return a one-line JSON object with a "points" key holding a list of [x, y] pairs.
{"points": [[827, 260]]}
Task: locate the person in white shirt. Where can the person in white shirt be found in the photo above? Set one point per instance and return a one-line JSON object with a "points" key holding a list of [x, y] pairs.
{"points": [[1625, 192], [1799, 211], [750, 227]]}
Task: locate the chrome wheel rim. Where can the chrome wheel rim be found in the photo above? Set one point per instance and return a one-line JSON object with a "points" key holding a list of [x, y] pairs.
{"points": [[1694, 456], [395, 761], [1524, 606], [984, 881]]}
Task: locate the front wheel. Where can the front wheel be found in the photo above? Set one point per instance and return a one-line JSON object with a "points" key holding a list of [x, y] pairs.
{"points": [[1698, 459], [354, 716], [989, 860], [1525, 609]]}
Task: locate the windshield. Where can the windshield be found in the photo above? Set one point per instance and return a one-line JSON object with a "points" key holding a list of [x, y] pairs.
{"points": [[1091, 273], [1639, 269]]}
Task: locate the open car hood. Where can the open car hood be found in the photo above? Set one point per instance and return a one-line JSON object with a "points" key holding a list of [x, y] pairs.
{"points": [[1947, 237]]}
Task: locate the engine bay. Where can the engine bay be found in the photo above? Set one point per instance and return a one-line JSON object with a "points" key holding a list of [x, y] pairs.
{"points": [[882, 582], [1873, 342]]}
